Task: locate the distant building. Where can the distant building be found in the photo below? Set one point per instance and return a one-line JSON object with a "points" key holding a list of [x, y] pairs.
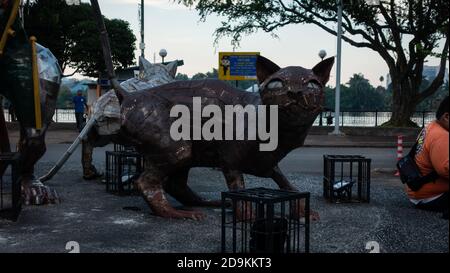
{"points": [[429, 73]]}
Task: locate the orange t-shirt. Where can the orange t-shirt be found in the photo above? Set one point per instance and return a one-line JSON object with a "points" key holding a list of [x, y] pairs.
{"points": [[432, 154]]}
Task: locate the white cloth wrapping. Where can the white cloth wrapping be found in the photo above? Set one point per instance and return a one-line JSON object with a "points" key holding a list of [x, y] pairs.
{"points": [[107, 108]]}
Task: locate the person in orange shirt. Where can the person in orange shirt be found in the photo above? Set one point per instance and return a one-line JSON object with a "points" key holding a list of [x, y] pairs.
{"points": [[432, 155]]}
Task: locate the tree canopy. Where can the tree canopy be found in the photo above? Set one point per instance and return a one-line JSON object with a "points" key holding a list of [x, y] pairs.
{"points": [[70, 32], [358, 95]]}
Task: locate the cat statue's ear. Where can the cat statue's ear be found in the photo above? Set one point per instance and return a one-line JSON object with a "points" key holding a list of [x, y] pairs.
{"points": [[265, 68], [144, 67], [172, 68], [322, 69]]}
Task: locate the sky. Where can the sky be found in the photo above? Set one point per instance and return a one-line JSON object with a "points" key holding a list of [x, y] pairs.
{"points": [[178, 29]]}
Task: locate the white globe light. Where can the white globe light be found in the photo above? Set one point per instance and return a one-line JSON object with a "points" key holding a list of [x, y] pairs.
{"points": [[163, 53], [322, 53]]}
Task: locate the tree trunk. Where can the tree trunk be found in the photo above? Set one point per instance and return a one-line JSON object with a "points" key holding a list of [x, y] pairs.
{"points": [[404, 102]]}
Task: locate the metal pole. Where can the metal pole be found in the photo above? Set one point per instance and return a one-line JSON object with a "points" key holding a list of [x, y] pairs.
{"points": [[338, 70], [376, 117], [423, 119], [142, 29]]}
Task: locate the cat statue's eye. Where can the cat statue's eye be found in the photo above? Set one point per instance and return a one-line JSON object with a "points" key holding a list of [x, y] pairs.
{"points": [[313, 85], [275, 84]]}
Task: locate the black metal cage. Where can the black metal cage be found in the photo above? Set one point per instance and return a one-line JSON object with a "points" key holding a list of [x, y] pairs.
{"points": [[123, 148], [10, 190], [262, 220], [346, 178], [122, 169]]}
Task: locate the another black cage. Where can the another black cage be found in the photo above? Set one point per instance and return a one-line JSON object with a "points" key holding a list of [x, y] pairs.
{"points": [[264, 220], [122, 170], [10, 190], [346, 178], [123, 148]]}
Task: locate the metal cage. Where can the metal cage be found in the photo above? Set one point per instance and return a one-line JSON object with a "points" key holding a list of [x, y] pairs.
{"points": [[123, 148], [262, 220], [346, 178], [122, 169], [10, 189]]}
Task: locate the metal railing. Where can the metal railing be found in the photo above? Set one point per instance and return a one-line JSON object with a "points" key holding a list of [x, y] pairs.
{"points": [[369, 118], [60, 116], [347, 118]]}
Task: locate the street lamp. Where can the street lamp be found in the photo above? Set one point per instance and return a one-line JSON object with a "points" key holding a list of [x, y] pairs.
{"points": [[141, 21], [338, 70], [163, 54], [322, 54]]}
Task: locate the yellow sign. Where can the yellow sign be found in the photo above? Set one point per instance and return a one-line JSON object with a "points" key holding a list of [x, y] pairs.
{"points": [[237, 66]]}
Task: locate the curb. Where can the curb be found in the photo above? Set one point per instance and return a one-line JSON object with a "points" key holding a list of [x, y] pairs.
{"points": [[359, 145]]}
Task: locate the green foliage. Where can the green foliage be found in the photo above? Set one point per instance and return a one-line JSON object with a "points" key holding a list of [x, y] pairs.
{"points": [[360, 18], [64, 98], [181, 77], [214, 74], [432, 102], [358, 95], [71, 33]]}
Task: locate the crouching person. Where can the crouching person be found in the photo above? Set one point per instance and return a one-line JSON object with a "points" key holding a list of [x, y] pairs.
{"points": [[432, 157]]}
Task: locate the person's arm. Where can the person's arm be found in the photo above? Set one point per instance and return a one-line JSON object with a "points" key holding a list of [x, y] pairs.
{"points": [[439, 155]]}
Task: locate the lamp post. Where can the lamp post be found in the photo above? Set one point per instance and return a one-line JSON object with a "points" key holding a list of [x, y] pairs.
{"points": [[163, 54], [322, 54], [338, 70], [141, 21]]}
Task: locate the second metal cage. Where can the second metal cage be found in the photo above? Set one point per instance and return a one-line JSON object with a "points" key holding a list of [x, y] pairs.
{"points": [[122, 169], [346, 178], [263, 220]]}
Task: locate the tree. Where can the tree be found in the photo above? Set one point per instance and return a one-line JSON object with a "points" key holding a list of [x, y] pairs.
{"points": [[361, 95], [214, 74], [357, 95], [70, 32], [432, 102], [64, 98], [181, 77], [403, 32]]}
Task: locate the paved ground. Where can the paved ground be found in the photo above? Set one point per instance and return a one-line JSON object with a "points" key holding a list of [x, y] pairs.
{"points": [[306, 159], [99, 223], [56, 136]]}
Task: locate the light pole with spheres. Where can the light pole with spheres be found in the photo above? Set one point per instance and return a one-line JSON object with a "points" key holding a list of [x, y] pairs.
{"points": [[163, 54]]}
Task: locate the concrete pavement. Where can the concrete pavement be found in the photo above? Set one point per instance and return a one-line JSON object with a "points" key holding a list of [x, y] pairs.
{"points": [[100, 222], [312, 140]]}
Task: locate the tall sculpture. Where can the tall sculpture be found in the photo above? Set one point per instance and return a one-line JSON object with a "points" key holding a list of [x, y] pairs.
{"points": [[30, 77], [146, 122], [104, 124]]}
